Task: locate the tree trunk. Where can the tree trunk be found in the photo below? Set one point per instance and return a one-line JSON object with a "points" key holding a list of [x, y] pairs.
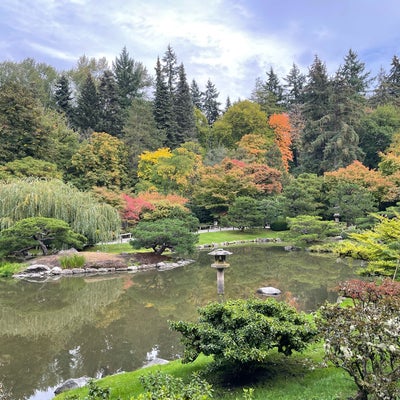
{"points": [[42, 246]]}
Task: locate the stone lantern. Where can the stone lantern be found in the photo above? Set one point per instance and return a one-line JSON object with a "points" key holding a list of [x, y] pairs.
{"points": [[220, 265]]}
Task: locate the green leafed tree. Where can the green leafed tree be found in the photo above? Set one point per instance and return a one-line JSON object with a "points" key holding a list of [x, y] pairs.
{"points": [[20, 123], [167, 233], [29, 167], [378, 245], [244, 213], [100, 161], [47, 234]]}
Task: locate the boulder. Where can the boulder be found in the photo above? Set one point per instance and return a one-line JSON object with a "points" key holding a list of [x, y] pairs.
{"points": [[37, 268], [269, 291], [72, 384], [56, 271]]}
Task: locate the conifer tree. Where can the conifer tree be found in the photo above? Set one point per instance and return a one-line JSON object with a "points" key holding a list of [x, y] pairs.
{"points": [[211, 104], [87, 115], [393, 81], [184, 112], [315, 108], [295, 82], [163, 106], [63, 96], [197, 95], [131, 78], [170, 69], [269, 94], [110, 114]]}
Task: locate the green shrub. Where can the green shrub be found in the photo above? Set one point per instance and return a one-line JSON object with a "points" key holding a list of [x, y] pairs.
{"points": [[163, 386], [95, 393], [8, 269], [72, 261], [241, 333], [279, 224]]}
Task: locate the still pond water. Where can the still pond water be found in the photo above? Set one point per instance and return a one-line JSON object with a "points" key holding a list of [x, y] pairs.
{"points": [[95, 326]]}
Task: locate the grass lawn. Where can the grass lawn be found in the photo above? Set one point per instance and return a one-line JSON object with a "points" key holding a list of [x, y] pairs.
{"points": [[230, 236], [298, 377], [204, 238]]}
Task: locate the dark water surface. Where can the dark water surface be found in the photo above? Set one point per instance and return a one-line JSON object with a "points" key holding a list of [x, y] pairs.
{"points": [[95, 326]]}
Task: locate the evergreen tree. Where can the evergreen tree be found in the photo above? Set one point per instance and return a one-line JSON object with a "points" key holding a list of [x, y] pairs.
{"points": [[341, 141], [211, 104], [87, 116], [141, 132], [353, 71], [388, 87], [295, 82], [269, 94], [110, 114], [163, 107], [393, 80], [184, 111], [63, 96], [131, 78], [315, 108], [197, 95], [228, 104], [170, 69]]}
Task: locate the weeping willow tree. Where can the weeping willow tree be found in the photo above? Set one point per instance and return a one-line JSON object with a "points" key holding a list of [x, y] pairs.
{"points": [[27, 198]]}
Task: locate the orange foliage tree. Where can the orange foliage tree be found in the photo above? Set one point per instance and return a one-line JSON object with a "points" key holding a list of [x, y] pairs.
{"points": [[380, 186], [281, 125], [220, 184]]}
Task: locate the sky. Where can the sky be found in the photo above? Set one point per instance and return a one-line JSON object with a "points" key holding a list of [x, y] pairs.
{"points": [[230, 42]]}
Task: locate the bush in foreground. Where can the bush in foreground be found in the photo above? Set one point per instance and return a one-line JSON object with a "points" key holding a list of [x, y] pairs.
{"points": [[242, 332], [364, 338]]}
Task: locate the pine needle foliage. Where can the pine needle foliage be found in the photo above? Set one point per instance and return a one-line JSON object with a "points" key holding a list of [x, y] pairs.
{"points": [[27, 198]]}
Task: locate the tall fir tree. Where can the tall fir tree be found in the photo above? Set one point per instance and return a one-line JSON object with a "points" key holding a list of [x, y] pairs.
{"points": [[131, 78], [293, 89], [87, 115], [269, 94], [211, 104], [110, 113], [197, 95], [184, 111], [315, 108], [63, 97], [163, 107], [393, 80], [170, 69]]}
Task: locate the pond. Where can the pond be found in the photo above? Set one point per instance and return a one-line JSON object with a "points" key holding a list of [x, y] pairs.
{"points": [[96, 326]]}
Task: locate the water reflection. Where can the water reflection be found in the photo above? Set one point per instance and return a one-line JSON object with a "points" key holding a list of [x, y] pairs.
{"points": [[101, 325]]}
